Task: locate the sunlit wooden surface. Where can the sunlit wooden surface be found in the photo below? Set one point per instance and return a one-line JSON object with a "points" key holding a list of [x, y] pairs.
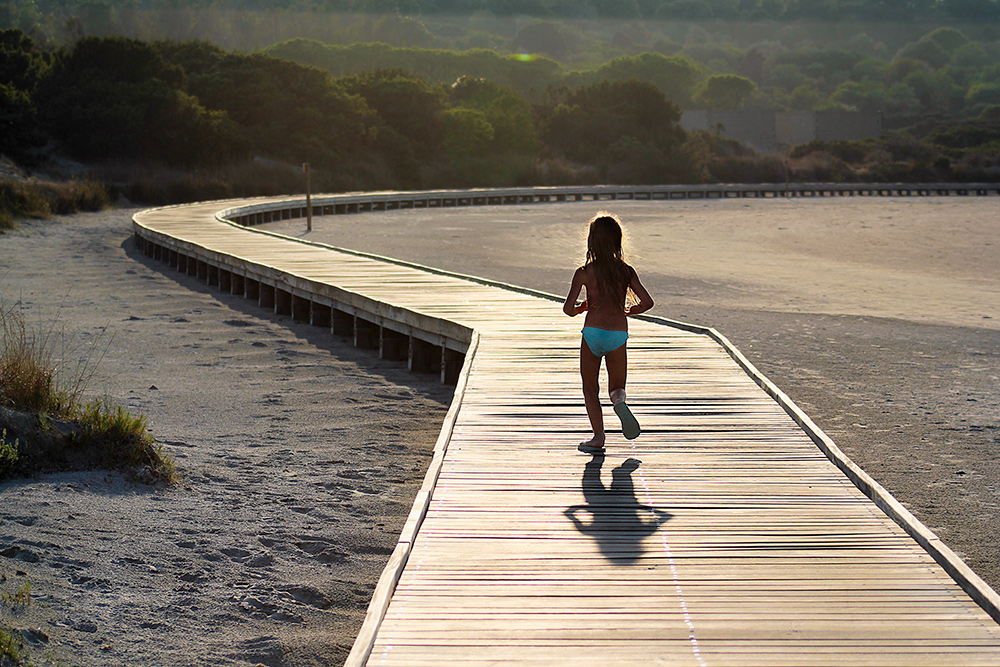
{"points": [[722, 536]]}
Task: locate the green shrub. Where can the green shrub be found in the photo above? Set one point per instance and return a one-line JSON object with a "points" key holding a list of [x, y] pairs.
{"points": [[18, 199], [8, 455], [12, 651], [21, 597], [123, 440], [851, 152]]}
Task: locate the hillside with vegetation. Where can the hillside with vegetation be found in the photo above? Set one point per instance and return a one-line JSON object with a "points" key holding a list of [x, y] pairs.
{"points": [[168, 101]]}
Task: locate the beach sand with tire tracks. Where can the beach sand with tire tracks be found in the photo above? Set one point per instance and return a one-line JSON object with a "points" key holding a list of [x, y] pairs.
{"points": [[300, 455]]}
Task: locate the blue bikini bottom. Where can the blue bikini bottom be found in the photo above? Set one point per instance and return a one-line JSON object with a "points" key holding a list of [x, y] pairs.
{"points": [[602, 341]]}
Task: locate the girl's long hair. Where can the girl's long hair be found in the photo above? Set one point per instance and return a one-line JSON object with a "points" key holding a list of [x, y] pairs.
{"points": [[604, 252]]}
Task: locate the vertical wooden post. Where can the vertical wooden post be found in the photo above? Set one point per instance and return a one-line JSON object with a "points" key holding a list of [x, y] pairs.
{"points": [[309, 208]]}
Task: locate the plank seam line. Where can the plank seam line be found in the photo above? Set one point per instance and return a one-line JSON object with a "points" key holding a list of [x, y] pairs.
{"points": [[964, 576], [678, 588]]}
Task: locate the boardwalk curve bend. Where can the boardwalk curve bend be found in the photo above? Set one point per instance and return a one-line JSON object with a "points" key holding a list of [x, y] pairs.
{"points": [[733, 532]]}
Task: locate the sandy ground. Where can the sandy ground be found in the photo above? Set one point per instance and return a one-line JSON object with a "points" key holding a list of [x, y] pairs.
{"points": [[299, 455], [880, 317]]}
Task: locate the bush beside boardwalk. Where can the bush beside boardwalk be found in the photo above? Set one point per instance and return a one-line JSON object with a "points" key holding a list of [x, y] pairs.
{"points": [[44, 424]]}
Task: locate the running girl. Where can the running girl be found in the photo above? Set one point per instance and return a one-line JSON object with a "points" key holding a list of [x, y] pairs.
{"points": [[611, 286]]}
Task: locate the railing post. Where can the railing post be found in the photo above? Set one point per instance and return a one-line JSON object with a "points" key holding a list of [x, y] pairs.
{"points": [[309, 208]]}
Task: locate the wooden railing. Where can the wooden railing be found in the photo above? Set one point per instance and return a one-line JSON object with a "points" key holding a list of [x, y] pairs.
{"points": [[387, 201]]}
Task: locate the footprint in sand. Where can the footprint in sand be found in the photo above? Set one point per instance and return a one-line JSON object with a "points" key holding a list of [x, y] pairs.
{"points": [[322, 550], [18, 553], [235, 553], [309, 596]]}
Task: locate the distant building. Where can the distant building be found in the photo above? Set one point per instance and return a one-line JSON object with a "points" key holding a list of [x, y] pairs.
{"points": [[771, 131]]}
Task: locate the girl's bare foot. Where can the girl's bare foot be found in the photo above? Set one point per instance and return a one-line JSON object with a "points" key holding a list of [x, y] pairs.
{"points": [[593, 446]]}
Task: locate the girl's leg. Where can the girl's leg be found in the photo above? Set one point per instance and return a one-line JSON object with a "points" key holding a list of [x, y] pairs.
{"points": [[590, 367], [617, 364]]}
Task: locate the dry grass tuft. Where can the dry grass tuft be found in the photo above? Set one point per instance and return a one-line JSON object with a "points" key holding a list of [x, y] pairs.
{"points": [[39, 199], [46, 426]]}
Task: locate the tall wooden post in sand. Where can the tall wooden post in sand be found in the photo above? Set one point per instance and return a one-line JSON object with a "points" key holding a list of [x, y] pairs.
{"points": [[309, 208]]}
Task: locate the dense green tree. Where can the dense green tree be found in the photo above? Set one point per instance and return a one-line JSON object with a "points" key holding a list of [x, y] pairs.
{"points": [[972, 10], [725, 91], [948, 39], [409, 127], [405, 103], [971, 57], [22, 67], [508, 113], [806, 98], [467, 132], [926, 50], [871, 69], [596, 124], [115, 97], [196, 58], [826, 67], [896, 99], [983, 94], [935, 91], [901, 68], [674, 75], [286, 110], [788, 77], [990, 74]]}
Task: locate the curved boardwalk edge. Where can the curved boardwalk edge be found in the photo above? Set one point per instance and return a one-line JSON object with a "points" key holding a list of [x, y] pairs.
{"points": [[964, 576], [386, 585], [978, 590]]}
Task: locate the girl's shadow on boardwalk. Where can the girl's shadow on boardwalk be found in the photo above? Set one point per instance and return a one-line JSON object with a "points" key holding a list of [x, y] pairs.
{"points": [[618, 521]]}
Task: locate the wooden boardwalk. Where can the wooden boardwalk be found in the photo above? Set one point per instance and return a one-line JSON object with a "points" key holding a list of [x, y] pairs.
{"points": [[727, 534]]}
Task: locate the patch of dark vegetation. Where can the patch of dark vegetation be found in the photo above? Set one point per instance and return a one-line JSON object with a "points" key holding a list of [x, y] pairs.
{"points": [[99, 437], [46, 427], [41, 198], [12, 649], [161, 121]]}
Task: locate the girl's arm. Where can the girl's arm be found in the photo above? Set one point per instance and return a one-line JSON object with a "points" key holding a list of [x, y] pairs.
{"points": [[645, 301], [570, 307]]}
